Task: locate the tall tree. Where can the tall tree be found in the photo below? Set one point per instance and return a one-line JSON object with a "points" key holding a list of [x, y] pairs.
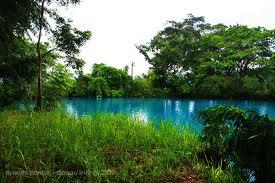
{"points": [[66, 39], [239, 52], [17, 54], [194, 58], [29, 17], [173, 52]]}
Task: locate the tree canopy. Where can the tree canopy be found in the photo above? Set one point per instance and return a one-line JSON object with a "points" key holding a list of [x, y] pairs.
{"points": [[30, 18], [195, 58]]}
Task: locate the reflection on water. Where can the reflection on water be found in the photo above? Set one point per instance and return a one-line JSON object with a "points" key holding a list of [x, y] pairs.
{"points": [[191, 106], [176, 110], [179, 111], [141, 115]]}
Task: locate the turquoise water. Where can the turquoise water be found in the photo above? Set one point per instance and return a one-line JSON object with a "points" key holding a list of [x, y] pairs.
{"points": [[179, 111]]}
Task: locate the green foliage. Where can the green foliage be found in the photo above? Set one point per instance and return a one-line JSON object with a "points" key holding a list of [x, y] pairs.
{"points": [[58, 83], [19, 55], [81, 86], [140, 87], [118, 93], [147, 86], [18, 70], [98, 87], [250, 85], [242, 53], [104, 81], [185, 89], [215, 86], [16, 16], [244, 138], [116, 78], [69, 40], [212, 60], [111, 148], [174, 49]]}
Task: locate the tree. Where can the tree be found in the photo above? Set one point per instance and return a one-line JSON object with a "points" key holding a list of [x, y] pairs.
{"points": [[174, 50], [65, 39], [58, 84], [17, 54], [18, 18], [139, 88], [238, 51], [194, 58], [215, 86], [98, 87], [117, 79]]}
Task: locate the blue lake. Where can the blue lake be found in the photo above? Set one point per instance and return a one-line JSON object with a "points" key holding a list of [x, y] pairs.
{"points": [[179, 111]]}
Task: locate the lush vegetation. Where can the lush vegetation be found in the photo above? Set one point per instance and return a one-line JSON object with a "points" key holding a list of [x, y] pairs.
{"points": [[194, 58], [244, 139], [188, 59], [22, 60], [191, 58], [104, 81], [111, 147]]}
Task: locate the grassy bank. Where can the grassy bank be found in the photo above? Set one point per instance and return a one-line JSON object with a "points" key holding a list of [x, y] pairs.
{"points": [[55, 147]]}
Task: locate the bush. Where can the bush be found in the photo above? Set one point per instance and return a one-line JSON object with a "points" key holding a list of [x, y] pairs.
{"points": [[244, 138]]}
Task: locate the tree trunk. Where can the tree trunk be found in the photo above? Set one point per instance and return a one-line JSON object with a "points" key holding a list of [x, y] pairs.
{"points": [[39, 76]]}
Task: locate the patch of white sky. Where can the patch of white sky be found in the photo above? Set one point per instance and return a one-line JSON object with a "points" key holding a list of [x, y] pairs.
{"points": [[117, 26]]}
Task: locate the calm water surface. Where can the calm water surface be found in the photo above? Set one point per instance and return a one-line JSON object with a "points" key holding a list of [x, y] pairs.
{"points": [[179, 111]]}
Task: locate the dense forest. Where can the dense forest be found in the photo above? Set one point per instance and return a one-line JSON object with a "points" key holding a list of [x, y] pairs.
{"points": [[191, 58]]}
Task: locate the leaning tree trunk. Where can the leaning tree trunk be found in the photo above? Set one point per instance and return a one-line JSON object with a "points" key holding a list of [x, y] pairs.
{"points": [[39, 76]]}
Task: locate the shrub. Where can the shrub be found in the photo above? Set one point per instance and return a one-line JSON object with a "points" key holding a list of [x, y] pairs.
{"points": [[244, 138]]}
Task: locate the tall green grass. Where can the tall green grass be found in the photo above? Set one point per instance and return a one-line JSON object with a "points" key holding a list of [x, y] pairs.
{"points": [[56, 147]]}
